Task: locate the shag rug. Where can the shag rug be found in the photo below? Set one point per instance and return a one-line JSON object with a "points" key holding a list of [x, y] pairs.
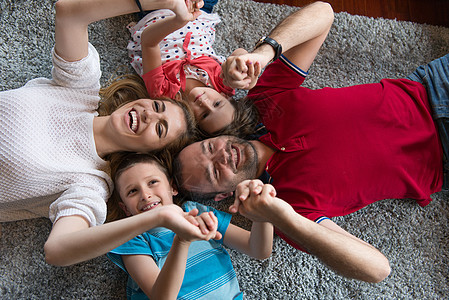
{"points": [[358, 50]]}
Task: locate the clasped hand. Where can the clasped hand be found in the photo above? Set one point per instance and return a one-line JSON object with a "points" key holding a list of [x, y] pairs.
{"points": [[187, 10], [241, 69], [254, 200]]}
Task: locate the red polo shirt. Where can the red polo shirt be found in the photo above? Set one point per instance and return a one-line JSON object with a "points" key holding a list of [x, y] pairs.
{"points": [[340, 149]]}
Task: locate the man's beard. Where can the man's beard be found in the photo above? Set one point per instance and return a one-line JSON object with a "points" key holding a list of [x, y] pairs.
{"points": [[250, 167]]}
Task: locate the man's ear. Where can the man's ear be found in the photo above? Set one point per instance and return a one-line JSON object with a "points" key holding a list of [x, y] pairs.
{"points": [[123, 207], [222, 196]]}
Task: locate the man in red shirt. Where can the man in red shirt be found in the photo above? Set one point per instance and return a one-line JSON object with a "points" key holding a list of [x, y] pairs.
{"points": [[329, 152]]}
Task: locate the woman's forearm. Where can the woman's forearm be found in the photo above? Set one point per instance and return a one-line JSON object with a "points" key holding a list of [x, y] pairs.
{"points": [[73, 17], [72, 240]]}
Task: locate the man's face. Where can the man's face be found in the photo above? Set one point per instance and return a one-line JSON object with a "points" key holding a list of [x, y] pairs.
{"points": [[217, 164]]}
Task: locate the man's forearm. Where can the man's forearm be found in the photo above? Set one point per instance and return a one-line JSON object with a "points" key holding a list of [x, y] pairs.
{"points": [[308, 25], [345, 255]]}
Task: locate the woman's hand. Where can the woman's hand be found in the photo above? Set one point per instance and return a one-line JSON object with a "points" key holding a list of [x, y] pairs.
{"points": [[187, 10], [188, 225], [207, 223]]}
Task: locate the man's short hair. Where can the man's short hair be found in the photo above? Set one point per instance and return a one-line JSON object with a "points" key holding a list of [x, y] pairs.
{"points": [[178, 181]]}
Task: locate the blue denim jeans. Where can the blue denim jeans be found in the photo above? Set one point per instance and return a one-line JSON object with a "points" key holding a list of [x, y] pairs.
{"points": [[435, 77]]}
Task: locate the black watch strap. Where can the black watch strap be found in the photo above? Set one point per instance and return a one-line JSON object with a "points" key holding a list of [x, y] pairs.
{"points": [[276, 46]]}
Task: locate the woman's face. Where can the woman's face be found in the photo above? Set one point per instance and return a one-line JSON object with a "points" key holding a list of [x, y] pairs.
{"points": [[212, 110], [146, 124], [143, 187]]}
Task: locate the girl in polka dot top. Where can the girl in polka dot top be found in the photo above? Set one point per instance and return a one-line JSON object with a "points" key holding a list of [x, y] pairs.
{"points": [[172, 51]]}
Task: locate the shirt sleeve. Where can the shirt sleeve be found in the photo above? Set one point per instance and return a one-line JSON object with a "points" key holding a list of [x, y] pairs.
{"points": [[136, 246], [81, 74], [278, 76], [159, 84], [88, 201]]}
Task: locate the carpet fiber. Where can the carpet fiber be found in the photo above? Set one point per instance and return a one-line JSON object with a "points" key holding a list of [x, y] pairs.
{"points": [[358, 50]]}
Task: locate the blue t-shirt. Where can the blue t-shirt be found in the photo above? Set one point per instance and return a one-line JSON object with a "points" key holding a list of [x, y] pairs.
{"points": [[209, 273]]}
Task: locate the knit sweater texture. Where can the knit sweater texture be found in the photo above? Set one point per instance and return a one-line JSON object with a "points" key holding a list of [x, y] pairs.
{"points": [[49, 164]]}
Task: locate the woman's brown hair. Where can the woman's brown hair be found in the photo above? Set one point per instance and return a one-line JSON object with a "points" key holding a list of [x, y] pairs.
{"points": [[130, 87]]}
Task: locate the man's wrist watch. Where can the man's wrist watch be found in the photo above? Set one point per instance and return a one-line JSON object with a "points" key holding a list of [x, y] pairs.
{"points": [[276, 46]]}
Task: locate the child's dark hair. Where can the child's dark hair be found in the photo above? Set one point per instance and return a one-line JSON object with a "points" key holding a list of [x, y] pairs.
{"points": [[120, 162], [246, 118]]}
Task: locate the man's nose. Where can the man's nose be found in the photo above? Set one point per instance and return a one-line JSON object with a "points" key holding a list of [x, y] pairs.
{"points": [[221, 156]]}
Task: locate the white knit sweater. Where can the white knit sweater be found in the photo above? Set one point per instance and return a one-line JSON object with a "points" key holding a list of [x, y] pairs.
{"points": [[49, 165]]}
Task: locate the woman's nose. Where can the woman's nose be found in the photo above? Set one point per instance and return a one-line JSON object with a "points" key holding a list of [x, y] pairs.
{"points": [[149, 115]]}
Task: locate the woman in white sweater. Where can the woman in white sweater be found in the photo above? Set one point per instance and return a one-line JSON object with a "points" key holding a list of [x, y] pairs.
{"points": [[53, 143]]}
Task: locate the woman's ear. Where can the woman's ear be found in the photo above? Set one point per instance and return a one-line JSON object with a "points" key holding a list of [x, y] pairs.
{"points": [[124, 208]]}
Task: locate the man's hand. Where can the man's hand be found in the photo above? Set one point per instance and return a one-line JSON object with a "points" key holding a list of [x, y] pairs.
{"points": [[255, 200], [242, 69]]}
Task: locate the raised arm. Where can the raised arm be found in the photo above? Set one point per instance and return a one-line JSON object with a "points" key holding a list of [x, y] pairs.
{"points": [[259, 242], [73, 17], [339, 250], [301, 35], [154, 34], [166, 283]]}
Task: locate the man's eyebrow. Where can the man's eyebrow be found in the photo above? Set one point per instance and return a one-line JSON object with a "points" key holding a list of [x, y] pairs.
{"points": [[203, 149], [207, 169]]}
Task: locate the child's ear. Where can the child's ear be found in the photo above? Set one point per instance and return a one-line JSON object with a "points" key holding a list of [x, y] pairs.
{"points": [[124, 208], [174, 189]]}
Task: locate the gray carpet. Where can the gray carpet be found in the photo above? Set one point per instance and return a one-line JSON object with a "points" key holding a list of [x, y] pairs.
{"points": [[358, 50]]}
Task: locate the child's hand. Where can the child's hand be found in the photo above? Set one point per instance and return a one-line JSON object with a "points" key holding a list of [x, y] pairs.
{"points": [[241, 69], [207, 224], [253, 199], [253, 73]]}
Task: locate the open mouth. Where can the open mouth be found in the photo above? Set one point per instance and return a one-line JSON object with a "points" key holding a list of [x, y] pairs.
{"points": [[150, 206], [235, 155], [133, 120]]}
